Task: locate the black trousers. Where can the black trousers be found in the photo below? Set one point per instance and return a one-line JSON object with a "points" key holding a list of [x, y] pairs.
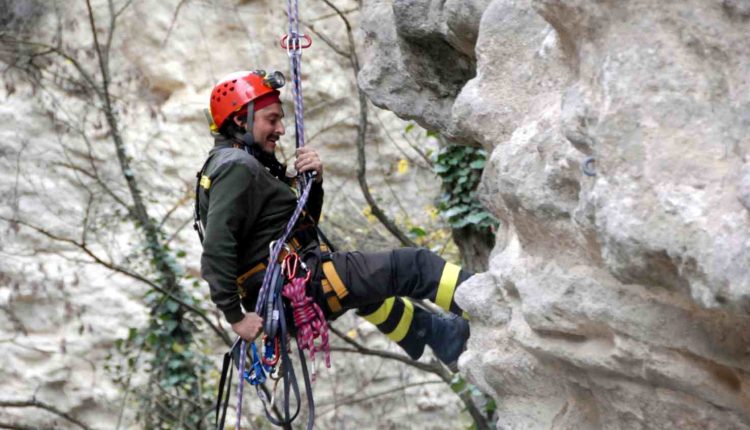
{"points": [[380, 285]]}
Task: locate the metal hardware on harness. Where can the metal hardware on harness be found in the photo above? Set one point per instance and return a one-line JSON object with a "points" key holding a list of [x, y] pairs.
{"points": [[588, 166], [295, 41], [272, 315], [257, 374], [272, 353]]}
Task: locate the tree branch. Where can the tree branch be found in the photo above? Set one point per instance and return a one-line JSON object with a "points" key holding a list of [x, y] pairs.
{"points": [[354, 401], [434, 367], [122, 270], [362, 135], [13, 426], [361, 349], [57, 50], [33, 403], [172, 23]]}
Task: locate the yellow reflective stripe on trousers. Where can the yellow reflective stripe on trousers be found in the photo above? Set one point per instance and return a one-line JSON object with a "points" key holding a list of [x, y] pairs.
{"points": [[447, 286], [381, 314], [403, 326], [205, 182]]}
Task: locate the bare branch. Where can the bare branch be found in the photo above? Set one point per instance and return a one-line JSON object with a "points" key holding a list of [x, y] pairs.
{"points": [[17, 324], [327, 40], [13, 426], [95, 177], [181, 201], [434, 367], [361, 349], [102, 60], [172, 23], [33, 403], [354, 401], [5, 38], [177, 231], [122, 9], [124, 271], [361, 138], [329, 15], [411, 144]]}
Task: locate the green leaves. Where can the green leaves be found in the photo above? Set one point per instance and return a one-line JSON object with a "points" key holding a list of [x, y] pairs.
{"points": [[477, 164], [417, 232], [460, 168]]}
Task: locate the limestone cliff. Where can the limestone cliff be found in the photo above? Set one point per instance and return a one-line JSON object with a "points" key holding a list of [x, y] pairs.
{"points": [[614, 301]]}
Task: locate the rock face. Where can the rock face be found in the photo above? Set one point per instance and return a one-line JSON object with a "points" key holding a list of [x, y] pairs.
{"points": [[614, 301]]}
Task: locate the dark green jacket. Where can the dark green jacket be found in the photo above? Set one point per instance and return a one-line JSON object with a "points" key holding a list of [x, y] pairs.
{"points": [[243, 208]]}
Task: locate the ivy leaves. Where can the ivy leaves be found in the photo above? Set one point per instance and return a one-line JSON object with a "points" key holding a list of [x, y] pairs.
{"points": [[460, 168]]}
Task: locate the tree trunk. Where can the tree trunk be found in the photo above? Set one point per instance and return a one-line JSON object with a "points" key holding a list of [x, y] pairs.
{"points": [[475, 246]]}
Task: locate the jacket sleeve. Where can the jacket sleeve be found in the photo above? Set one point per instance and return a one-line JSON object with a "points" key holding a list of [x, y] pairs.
{"points": [[230, 198], [314, 204]]}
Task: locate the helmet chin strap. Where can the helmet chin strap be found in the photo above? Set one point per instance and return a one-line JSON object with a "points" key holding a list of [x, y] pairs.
{"points": [[248, 138]]}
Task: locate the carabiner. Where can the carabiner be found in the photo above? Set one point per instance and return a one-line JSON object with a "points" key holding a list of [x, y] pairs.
{"points": [[275, 349], [290, 265], [295, 41], [256, 375]]}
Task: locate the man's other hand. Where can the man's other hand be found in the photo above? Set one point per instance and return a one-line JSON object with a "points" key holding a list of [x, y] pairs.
{"points": [[249, 327], [307, 161]]}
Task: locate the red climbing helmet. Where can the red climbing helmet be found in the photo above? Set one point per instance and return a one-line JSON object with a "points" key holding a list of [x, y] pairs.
{"points": [[237, 89]]}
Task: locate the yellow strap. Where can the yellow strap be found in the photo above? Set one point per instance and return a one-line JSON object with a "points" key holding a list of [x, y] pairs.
{"points": [[257, 268], [333, 302], [381, 314], [205, 182], [403, 326], [447, 286], [335, 280]]}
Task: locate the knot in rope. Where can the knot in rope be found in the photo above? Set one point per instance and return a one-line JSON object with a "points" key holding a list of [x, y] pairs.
{"points": [[309, 320]]}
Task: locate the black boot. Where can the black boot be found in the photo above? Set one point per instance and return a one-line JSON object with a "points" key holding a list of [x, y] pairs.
{"points": [[447, 338], [416, 337]]}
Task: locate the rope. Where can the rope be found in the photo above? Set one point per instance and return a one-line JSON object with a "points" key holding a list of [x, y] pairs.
{"points": [[309, 320], [243, 356], [294, 50]]}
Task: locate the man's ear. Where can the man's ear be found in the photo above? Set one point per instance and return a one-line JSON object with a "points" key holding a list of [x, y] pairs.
{"points": [[237, 120]]}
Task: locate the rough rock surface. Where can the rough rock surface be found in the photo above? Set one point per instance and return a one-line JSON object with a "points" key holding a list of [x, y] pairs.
{"points": [[615, 301]]}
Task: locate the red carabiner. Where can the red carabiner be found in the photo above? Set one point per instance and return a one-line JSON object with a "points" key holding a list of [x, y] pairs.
{"points": [[276, 352], [285, 45], [291, 262]]}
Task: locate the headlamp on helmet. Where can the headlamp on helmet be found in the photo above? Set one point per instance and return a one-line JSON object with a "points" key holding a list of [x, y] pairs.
{"points": [[273, 80]]}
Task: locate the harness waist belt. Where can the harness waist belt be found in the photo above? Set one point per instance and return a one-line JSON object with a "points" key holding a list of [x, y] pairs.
{"points": [[293, 244]]}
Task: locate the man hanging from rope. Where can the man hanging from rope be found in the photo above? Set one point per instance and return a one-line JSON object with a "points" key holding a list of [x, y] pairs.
{"points": [[245, 199]]}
